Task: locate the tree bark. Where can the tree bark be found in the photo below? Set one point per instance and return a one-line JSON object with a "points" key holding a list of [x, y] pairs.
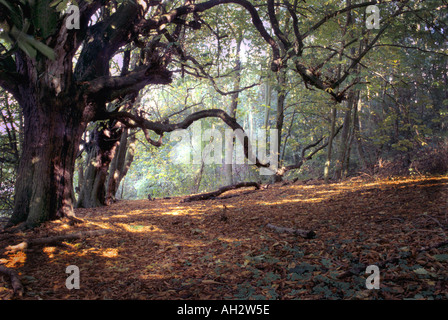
{"points": [[214, 194], [357, 134], [53, 129], [340, 170], [228, 166], [121, 164], [281, 97], [330, 145], [15, 281], [104, 142]]}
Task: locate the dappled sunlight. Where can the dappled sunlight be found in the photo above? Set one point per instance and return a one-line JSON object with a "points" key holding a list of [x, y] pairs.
{"points": [[15, 260], [177, 248], [90, 252], [110, 253], [231, 240], [115, 216], [49, 251], [139, 228]]}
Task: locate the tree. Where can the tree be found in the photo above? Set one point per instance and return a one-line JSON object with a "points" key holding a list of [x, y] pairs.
{"points": [[63, 82], [337, 32], [59, 99]]}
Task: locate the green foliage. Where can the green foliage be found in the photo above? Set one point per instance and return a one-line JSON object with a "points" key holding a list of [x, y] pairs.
{"points": [[44, 18], [41, 23], [10, 147]]}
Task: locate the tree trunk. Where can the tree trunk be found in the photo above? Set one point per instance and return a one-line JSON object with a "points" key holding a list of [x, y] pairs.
{"points": [[267, 102], [104, 144], [281, 97], [330, 145], [228, 167], [121, 164], [357, 134], [116, 166], [53, 129], [344, 142]]}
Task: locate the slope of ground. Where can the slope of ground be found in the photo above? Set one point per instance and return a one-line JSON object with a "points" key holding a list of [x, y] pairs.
{"points": [[221, 248]]}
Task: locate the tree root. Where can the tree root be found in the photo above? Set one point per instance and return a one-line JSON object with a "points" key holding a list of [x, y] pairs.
{"points": [[56, 239], [14, 276], [15, 281]]}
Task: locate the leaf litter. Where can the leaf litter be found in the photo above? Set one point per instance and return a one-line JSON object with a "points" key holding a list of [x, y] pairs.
{"points": [[221, 249]]}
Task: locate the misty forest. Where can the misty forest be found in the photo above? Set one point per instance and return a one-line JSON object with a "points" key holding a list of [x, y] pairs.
{"points": [[223, 149]]}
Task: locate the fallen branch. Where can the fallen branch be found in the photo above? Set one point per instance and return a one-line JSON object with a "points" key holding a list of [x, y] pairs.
{"points": [[56, 239], [15, 281], [234, 195], [298, 232], [214, 194]]}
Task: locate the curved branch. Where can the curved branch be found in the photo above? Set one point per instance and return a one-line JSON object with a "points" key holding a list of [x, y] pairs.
{"points": [[283, 170], [295, 21], [212, 79], [275, 25], [135, 121]]}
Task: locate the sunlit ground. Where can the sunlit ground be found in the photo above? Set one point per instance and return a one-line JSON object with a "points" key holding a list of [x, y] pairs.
{"points": [[221, 249]]}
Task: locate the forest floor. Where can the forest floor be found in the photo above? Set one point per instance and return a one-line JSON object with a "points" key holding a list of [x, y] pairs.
{"points": [[222, 249]]}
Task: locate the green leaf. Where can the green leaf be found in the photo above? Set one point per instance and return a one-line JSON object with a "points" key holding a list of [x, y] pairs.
{"points": [[6, 4], [42, 48], [55, 3], [30, 45], [27, 48]]}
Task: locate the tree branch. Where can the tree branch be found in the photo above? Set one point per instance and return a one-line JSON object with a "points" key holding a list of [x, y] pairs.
{"points": [[161, 20], [334, 14], [113, 87], [275, 25], [214, 194], [283, 170], [410, 47], [15, 281], [369, 46], [135, 121]]}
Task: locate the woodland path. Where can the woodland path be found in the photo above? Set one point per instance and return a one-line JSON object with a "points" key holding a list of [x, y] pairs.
{"points": [[222, 249]]}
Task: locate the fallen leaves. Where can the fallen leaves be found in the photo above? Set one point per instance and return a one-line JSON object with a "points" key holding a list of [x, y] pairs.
{"points": [[171, 250]]}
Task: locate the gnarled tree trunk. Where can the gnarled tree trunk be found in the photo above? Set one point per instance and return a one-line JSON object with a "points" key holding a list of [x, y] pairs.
{"points": [[105, 140], [120, 164], [53, 128]]}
